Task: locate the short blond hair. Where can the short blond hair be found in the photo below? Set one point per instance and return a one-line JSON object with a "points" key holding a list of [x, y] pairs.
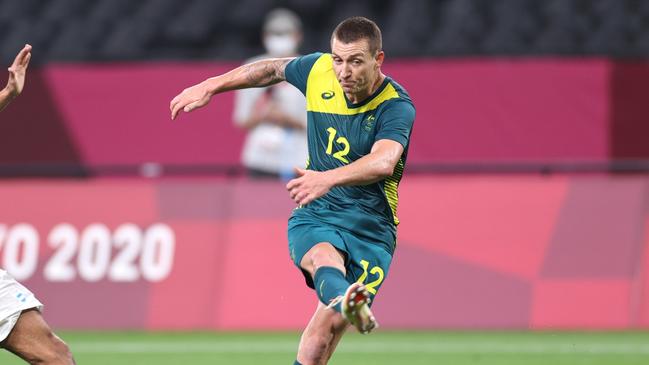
{"points": [[356, 28]]}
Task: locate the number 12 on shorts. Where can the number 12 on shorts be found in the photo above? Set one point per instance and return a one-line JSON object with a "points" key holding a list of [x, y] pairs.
{"points": [[374, 271]]}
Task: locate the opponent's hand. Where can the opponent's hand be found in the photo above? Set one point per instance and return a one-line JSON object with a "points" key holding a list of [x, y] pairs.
{"points": [[17, 71], [190, 99], [308, 186]]}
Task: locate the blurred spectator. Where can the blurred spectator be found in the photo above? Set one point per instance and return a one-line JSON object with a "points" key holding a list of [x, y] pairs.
{"points": [[275, 117]]}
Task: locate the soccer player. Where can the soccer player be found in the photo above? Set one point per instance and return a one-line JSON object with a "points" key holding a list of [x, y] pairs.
{"points": [[23, 330], [343, 233]]}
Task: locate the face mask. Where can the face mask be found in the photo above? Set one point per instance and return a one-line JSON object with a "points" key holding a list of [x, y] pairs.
{"points": [[280, 45]]}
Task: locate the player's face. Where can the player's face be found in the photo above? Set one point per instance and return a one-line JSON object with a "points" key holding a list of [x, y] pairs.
{"points": [[356, 67]]}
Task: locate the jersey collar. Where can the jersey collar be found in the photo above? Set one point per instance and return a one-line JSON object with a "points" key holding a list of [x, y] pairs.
{"points": [[351, 105]]}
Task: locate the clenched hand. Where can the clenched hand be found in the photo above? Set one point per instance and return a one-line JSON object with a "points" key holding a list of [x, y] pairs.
{"points": [[308, 186]]}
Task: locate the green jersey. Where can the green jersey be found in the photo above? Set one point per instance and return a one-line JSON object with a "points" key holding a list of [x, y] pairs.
{"points": [[339, 132]]}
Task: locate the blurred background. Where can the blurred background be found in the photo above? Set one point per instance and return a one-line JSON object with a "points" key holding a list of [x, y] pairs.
{"points": [[524, 206]]}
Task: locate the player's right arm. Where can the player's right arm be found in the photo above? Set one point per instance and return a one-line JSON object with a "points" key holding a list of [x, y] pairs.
{"points": [[256, 74], [16, 80]]}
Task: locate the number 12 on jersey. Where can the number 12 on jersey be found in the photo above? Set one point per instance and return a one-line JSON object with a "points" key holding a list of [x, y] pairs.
{"points": [[340, 155]]}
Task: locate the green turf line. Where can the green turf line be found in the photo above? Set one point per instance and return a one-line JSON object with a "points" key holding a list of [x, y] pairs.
{"points": [[381, 348]]}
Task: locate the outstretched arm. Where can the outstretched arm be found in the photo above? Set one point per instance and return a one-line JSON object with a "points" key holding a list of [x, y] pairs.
{"points": [[375, 166], [256, 74], [16, 80]]}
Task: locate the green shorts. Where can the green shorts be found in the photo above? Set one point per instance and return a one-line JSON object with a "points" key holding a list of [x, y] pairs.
{"points": [[365, 262]]}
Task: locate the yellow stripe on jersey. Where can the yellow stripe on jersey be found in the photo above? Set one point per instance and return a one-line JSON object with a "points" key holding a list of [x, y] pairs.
{"points": [[325, 95], [390, 187]]}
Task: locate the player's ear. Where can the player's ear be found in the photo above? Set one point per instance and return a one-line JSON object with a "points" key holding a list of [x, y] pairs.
{"points": [[380, 56]]}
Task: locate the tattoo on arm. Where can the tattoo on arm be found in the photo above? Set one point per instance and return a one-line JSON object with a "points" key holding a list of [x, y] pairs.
{"points": [[266, 72]]}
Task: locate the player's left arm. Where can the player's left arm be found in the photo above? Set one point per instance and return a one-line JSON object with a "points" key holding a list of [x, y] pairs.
{"points": [[16, 80], [373, 167]]}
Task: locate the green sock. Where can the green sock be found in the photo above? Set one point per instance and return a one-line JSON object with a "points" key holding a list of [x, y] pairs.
{"points": [[329, 284]]}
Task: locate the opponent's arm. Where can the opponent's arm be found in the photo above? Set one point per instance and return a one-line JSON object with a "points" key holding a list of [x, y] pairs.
{"points": [[375, 166], [256, 74], [16, 80]]}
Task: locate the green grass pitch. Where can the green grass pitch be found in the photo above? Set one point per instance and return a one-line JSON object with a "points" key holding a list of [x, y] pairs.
{"points": [[380, 348]]}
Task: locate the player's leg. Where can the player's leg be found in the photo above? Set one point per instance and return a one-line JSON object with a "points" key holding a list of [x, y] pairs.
{"points": [[326, 266], [33, 341], [321, 336], [320, 253]]}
